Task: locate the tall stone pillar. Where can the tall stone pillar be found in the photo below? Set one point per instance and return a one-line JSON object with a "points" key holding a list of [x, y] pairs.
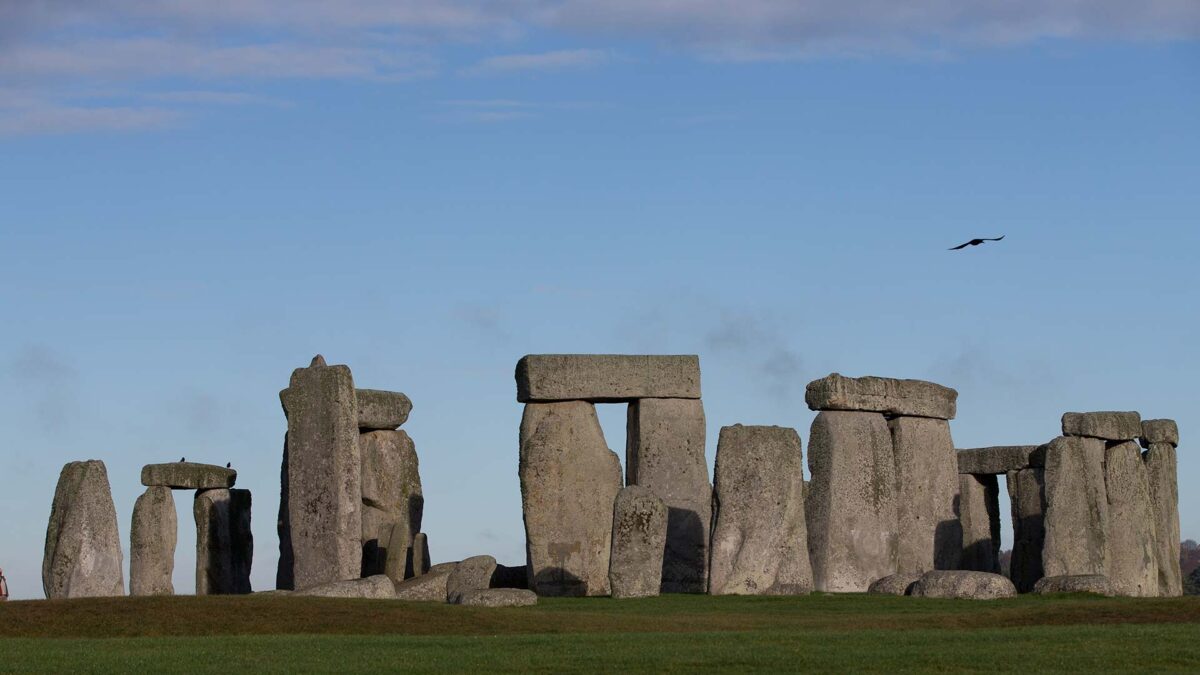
{"points": [[1026, 492], [1132, 561], [392, 503], [1076, 507], [979, 514], [83, 556], [927, 487], [152, 539], [224, 542]]}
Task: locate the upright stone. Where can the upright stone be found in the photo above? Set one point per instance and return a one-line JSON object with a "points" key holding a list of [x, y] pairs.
{"points": [[1110, 426], [979, 515], [420, 554], [1132, 564], [224, 543], [152, 539], [324, 475], [392, 503], [665, 453], [1164, 498], [284, 579], [639, 536], [608, 378], [1026, 492], [569, 479], [852, 519], [83, 556], [241, 540], [912, 398], [1076, 508], [931, 536]]}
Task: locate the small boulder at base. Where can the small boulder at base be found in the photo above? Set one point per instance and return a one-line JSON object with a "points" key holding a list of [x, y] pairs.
{"points": [[472, 574], [896, 584], [498, 597], [639, 538], [188, 476], [964, 585], [378, 587], [1076, 583], [1111, 426], [83, 557], [429, 587]]}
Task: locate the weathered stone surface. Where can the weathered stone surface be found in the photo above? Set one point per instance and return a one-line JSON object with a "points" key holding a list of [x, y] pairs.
{"points": [[665, 453], [979, 515], [1111, 426], [472, 574], [381, 409], [1159, 431], [608, 378], [224, 541], [1001, 459], [498, 597], [926, 495], [1079, 583], [569, 479], [378, 587], [152, 539], [393, 503], [507, 576], [896, 584], [852, 515], [420, 554], [760, 534], [1027, 495], [429, 587], [324, 475], [284, 570], [1076, 507], [1164, 499], [188, 476], [965, 585], [914, 398], [639, 536], [1131, 562], [83, 556]]}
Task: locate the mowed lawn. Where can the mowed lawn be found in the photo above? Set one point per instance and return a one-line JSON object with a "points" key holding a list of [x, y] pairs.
{"points": [[667, 634]]}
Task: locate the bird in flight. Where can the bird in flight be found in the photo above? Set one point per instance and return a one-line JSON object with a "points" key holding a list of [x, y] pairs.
{"points": [[975, 242]]}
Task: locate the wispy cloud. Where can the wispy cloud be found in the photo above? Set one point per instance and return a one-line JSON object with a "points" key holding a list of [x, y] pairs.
{"points": [[219, 98], [51, 383], [759, 341], [503, 110], [544, 61], [49, 118]]}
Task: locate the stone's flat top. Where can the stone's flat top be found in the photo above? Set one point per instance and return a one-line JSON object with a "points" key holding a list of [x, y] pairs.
{"points": [[1160, 431], [382, 410], [1108, 425], [1000, 459], [913, 398], [543, 378], [377, 587], [188, 476]]}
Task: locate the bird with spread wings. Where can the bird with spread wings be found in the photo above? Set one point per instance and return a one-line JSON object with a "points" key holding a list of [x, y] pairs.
{"points": [[975, 242]]}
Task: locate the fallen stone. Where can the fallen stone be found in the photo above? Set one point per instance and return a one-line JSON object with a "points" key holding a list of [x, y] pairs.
{"points": [[83, 556], [852, 513], [1076, 507], [224, 541], [429, 587], [913, 398], [1001, 459], [1159, 431], [639, 536], [507, 576], [760, 534], [1164, 499], [152, 539], [188, 476], [979, 515], [381, 410], [1079, 583], [965, 585], [498, 597], [1131, 562], [420, 554], [926, 495], [569, 479], [665, 453], [896, 584], [1026, 492], [378, 587], [1111, 426], [606, 378], [474, 573], [393, 503], [276, 592]]}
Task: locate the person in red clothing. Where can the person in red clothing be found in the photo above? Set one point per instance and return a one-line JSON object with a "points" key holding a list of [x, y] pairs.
{"points": [[3, 587]]}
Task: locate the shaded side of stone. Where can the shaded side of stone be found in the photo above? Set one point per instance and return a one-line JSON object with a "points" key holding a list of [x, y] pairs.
{"points": [[979, 515], [1131, 560], [420, 561], [1001, 459], [639, 537], [1164, 498], [914, 398], [241, 540], [393, 503], [1027, 495], [1076, 507], [152, 539], [188, 476], [381, 410], [930, 535], [1110, 426], [606, 378], [510, 576], [83, 557], [284, 579]]}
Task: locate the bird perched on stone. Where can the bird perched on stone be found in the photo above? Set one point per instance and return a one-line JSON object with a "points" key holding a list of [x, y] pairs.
{"points": [[182, 460], [228, 465], [975, 242]]}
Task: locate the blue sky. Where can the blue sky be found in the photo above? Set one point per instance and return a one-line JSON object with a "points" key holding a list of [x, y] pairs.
{"points": [[197, 197]]}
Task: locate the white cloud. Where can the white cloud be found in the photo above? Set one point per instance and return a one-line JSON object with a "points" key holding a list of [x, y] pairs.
{"points": [[544, 61]]}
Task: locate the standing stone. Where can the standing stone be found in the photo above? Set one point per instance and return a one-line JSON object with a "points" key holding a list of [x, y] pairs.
{"points": [[324, 475], [392, 503], [665, 453], [420, 555], [1026, 492], [569, 479], [1164, 498], [639, 537], [1076, 508], [1110, 426], [152, 539], [241, 540], [1132, 564], [853, 526], [83, 556], [606, 378], [926, 493], [224, 543], [979, 514], [912, 398], [760, 535], [284, 579]]}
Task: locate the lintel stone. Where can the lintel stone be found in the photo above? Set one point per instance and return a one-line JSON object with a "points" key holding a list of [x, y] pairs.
{"points": [[1159, 431], [1001, 459], [606, 378], [188, 476], [914, 398], [382, 410], [1110, 426]]}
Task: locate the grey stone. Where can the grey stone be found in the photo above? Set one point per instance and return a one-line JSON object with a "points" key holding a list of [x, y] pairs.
{"points": [[1159, 431], [1001, 459], [665, 453], [83, 556], [1131, 562], [606, 378], [324, 475], [393, 503], [926, 495], [429, 587], [224, 541], [420, 554], [1079, 583], [759, 534], [507, 576], [188, 476], [979, 515], [152, 539], [914, 398], [284, 570], [896, 584], [852, 513], [569, 479], [965, 585], [382, 409], [1027, 496], [472, 574], [639, 537], [1076, 507], [1111, 426], [1164, 498], [378, 587], [498, 597]]}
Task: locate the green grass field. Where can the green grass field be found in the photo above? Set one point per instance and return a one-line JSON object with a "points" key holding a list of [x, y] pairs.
{"points": [[672, 633]]}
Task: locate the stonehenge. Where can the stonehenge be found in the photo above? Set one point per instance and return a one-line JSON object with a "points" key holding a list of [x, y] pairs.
{"points": [[152, 538], [639, 539], [83, 556], [963, 585]]}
